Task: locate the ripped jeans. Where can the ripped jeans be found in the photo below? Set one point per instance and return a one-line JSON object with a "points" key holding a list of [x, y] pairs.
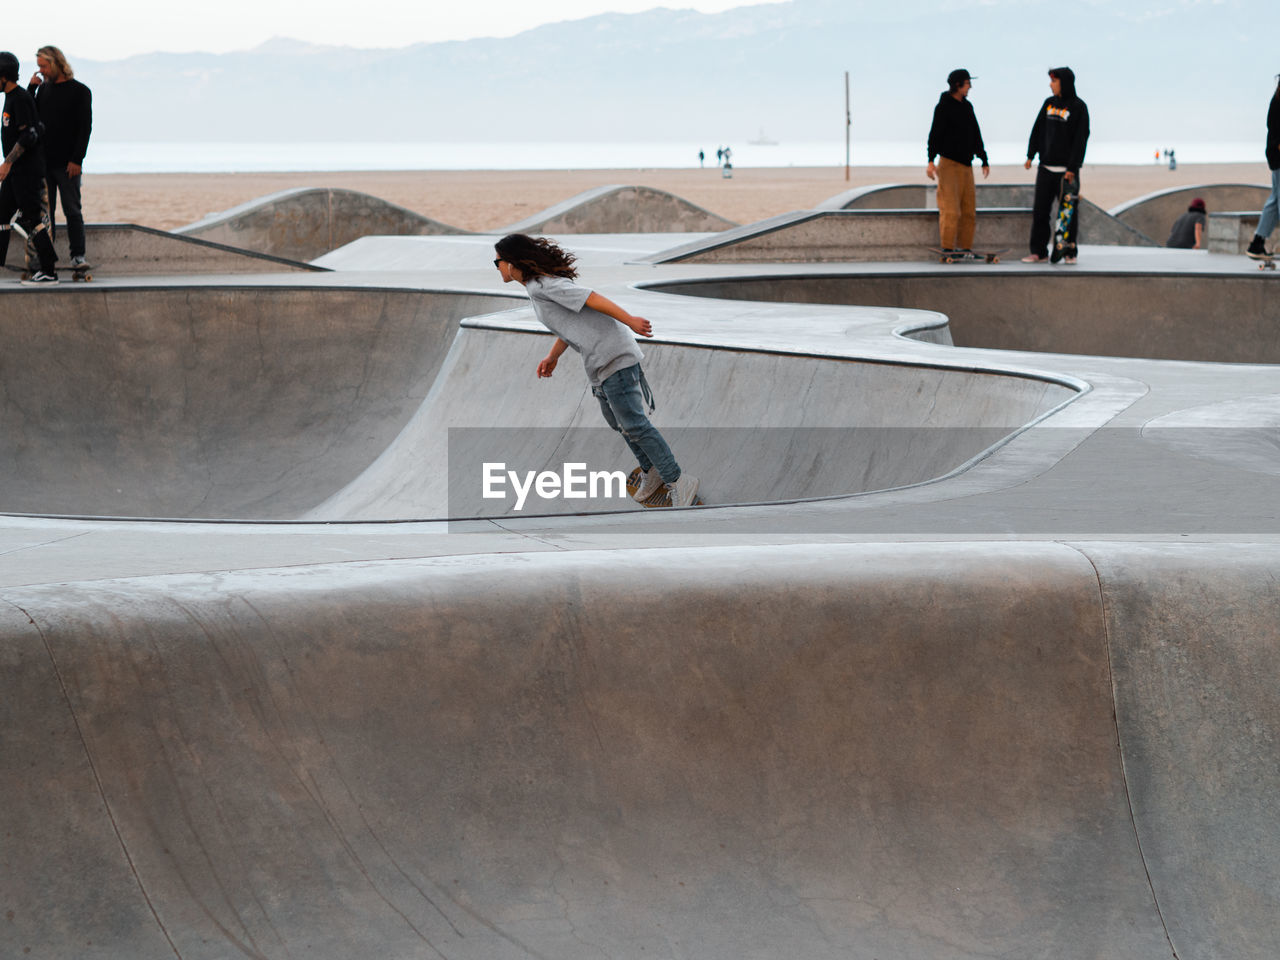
{"points": [[622, 398]]}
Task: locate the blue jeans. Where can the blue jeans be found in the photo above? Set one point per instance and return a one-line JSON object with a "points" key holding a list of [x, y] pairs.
{"points": [[1271, 209], [622, 397]]}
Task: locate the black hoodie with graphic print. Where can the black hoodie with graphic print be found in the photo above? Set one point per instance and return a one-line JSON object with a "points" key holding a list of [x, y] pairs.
{"points": [[1061, 130]]}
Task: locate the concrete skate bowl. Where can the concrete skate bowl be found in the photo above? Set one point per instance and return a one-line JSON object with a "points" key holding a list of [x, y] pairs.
{"points": [[272, 403], [199, 402], [306, 222], [1184, 316]]}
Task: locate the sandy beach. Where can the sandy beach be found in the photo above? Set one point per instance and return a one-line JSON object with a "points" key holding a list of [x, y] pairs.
{"points": [[486, 199]]}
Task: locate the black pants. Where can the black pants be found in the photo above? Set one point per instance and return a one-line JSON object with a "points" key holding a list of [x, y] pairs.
{"points": [[68, 187], [1048, 184], [20, 193]]}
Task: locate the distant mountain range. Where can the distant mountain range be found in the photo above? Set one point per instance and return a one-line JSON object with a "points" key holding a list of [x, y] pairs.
{"points": [[1164, 71]]}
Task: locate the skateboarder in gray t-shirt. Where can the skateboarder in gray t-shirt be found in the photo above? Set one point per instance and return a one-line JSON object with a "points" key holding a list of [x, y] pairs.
{"points": [[603, 333]]}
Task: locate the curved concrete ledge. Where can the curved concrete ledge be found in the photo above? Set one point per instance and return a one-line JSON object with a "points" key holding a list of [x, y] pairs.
{"points": [[1154, 213], [1087, 314], [831, 236], [126, 249], [1028, 709], [305, 222], [1097, 226], [621, 209]]}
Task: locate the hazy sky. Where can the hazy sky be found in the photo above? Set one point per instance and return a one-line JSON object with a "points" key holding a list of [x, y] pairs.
{"points": [[121, 28]]}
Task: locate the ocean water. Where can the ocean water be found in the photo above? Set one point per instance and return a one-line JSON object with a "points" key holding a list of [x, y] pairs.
{"points": [[226, 157]]}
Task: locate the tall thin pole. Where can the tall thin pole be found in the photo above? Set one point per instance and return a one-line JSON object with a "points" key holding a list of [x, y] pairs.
{"points": [[848, 122]]}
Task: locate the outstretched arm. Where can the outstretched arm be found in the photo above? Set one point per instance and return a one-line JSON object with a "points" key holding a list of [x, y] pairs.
{"points": [[610, 309]]}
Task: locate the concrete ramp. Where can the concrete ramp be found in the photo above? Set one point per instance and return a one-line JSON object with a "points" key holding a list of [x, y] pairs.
{"points": [[813, 426], [621, 209], [126, 249], [894, 751], [1097, 226], [1154, 213], [827, 236], [247, 402], [306, 222]]}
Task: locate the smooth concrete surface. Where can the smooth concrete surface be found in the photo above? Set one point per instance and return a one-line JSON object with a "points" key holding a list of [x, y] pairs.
{"points": [[1155, 213], [1096, 226], [823, 236], [221, 402], [1023, 709], [126, 249], [307, 222], [1187, 315], [621, 209]]}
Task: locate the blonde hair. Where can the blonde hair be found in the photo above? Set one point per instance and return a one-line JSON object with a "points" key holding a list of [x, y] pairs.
{"points": [[58, 59]]}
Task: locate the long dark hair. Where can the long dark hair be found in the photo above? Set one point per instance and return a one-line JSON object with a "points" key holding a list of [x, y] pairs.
{"points": [[536, 256]]}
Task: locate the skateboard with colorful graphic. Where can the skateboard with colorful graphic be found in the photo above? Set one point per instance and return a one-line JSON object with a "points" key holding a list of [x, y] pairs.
{"points": [[1064, 239], [662, 498], [978, 256]]}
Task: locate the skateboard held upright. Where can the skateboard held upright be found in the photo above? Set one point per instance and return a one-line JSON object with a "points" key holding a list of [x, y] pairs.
{"points": [[1064, 234]]}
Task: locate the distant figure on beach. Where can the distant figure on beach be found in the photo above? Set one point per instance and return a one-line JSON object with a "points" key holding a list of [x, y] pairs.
{"points": [[601, 331], [719, 155], [1173, 161], [1188, 229], [1270, 215], [22, 174], [956, 139], [702, 157], [65, 106], [1059, 135]]}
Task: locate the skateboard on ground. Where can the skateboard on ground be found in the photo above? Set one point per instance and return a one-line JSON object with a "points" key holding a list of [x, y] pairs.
{"points": [[1064, 241], [82, 273], [662, 498], [953, 256], [1266, 261]]}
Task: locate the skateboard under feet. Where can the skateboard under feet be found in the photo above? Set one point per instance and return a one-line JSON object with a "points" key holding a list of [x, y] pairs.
{"points": [[662, 498]]}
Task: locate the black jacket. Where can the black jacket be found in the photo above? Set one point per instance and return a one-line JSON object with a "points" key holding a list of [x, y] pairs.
{"points": [[66, 110], [955, 134], [21, 125], [1273, 133], [1061, 131]]}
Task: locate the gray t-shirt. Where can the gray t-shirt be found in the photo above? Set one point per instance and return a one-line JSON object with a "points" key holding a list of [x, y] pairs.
{"points": [[605, 344]]}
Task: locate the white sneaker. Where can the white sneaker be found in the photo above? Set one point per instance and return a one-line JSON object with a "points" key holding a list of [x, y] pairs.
{"points": [[40, 279], [684, 491], [650, 483], [79, 262]]}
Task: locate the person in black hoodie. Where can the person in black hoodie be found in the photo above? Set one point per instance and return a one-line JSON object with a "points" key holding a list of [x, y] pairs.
{"points": [[1059, 135], [1270, 215], [956, 139], [22, 173], [66, 110]]}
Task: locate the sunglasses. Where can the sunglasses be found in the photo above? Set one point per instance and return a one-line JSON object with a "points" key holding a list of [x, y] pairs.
{"points": [[496, 262]]}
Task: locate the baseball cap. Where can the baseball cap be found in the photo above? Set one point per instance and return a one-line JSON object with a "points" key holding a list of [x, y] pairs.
{"points": [[958, 77]]}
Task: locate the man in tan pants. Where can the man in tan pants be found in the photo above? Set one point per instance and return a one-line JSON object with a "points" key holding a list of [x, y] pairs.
{"points": [[955, 138]]}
